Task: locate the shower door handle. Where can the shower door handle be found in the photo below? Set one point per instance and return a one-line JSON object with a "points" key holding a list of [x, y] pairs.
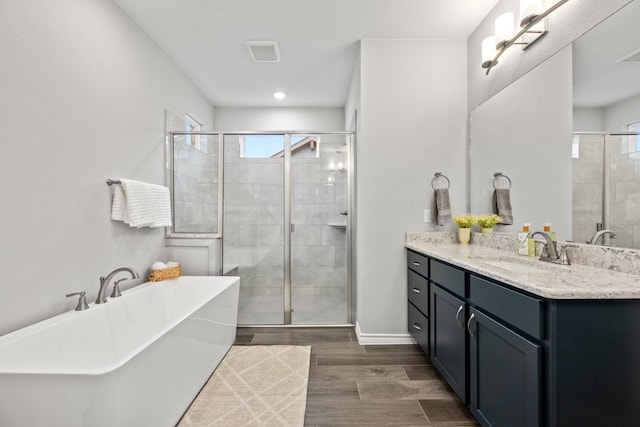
{"points": [[292, 228]]}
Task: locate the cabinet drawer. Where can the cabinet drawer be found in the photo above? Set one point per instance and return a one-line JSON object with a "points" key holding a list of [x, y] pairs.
{"points": [[419, 327], [418, 292], [418, 263], [448, 277], [522, 311]]}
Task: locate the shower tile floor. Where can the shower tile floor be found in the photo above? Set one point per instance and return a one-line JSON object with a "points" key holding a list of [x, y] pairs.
{"points": [[311, 306]]}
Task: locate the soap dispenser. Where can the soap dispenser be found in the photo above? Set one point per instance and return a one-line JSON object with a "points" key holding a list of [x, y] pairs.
{"points": [[547, 229], [526, 245]]}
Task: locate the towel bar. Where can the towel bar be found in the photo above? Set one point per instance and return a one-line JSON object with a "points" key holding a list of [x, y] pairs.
{"points": [[498, 175], [113, 181], [435, 178]]}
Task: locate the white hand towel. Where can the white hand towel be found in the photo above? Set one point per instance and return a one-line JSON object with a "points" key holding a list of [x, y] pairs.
{"points": [[161, 206], [118, 206], [139, 204]]}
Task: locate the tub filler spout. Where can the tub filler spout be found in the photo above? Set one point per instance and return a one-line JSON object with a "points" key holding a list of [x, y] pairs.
{"points": [[104, 282]]}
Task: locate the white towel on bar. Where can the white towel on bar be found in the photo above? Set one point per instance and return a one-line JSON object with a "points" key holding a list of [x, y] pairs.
{"points": [[118, 206], [138, 203], [161, 206]]}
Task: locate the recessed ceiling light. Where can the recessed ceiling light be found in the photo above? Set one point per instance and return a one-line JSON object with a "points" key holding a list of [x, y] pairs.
{"points": [[279, 95]]}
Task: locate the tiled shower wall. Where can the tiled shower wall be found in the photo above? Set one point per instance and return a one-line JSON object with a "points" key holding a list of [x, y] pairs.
{"points": [[624, 191], [587, 188], [254, 235]]}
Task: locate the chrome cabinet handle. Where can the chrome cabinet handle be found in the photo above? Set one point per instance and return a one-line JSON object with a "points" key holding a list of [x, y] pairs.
{"points": [[460, 323], [473, 316], [417, 326], [416, 263], [416, 290]]}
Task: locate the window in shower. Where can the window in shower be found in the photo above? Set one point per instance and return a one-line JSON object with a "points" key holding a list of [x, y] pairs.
{"points": [[272, 146]]}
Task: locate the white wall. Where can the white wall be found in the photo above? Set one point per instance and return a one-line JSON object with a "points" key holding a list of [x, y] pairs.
{"points": [[525, 132], [566, 24], [619, 116], [412, 122], [279, 119], [82, 99], [588, 119]]}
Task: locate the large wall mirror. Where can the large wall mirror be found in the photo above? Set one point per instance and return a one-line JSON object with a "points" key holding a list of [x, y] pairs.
{"points": [[527, 131], [606, 118]]}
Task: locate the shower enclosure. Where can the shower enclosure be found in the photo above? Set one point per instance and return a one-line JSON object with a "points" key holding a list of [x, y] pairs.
{"points": [[606, 187], [286, 228]]}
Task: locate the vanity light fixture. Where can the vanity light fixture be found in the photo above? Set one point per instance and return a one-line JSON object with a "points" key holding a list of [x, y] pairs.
{"points": [[532, 27]]}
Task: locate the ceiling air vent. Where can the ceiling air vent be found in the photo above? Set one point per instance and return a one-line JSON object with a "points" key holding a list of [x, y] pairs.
{"points": [[633, 57], [264, 51]]}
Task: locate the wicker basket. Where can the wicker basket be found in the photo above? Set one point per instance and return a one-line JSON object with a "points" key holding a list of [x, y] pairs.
{"points": [[164, 273]]}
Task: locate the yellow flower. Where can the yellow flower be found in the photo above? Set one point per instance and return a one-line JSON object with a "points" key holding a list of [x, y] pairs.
{"points": [[464, 221], [488, 220]]}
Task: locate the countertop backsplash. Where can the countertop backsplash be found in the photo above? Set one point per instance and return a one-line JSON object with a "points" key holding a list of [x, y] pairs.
{"points": [[624, 260]]}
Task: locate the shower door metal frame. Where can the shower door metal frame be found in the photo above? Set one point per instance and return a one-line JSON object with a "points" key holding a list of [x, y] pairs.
{"points": [[219, 236], [606, 172], [287, 213]]}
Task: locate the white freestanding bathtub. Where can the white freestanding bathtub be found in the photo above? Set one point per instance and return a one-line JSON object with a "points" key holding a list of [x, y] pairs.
{"points": [[138, 360]]}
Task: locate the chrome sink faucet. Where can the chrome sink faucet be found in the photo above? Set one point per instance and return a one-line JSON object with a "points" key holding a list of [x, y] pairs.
{"points": [[601, 233], [104, 282], [550, 252]]}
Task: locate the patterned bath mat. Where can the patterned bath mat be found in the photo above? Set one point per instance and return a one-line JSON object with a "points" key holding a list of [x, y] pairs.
{"points": [[254, 386]]}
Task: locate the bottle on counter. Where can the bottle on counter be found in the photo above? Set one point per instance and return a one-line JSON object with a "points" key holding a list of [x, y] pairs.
{"points": [[526, 245], [547, 229]]}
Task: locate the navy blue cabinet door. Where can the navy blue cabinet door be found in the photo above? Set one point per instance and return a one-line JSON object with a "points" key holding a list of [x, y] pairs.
{"points": [[448, 339], [505, 373]]}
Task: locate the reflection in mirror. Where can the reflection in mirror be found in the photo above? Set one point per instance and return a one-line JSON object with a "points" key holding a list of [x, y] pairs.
{"points": [[606, 106], [524, 131]]}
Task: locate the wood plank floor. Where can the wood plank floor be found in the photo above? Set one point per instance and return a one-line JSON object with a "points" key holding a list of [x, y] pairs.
{"points": [[350, 384]]}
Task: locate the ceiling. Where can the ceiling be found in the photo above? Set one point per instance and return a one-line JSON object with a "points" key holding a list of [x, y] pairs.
{"points": [[599, 80], [317, 40]]}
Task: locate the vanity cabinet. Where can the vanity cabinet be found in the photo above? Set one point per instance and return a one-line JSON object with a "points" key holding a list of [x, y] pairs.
{"points": [[505, 363], [504, 374], [448, 338], [483, 342], [418, 299], [519, 359]]}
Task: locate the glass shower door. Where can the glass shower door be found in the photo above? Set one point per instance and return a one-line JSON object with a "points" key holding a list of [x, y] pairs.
{"points": [[253, 226], [319, 229]]}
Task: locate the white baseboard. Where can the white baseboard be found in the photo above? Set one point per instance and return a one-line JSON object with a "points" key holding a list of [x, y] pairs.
{"points": [[383, 339]]}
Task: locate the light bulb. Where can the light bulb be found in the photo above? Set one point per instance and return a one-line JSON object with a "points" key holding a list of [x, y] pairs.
{"points": [[504, 29], [529, 10], [488, 52]]}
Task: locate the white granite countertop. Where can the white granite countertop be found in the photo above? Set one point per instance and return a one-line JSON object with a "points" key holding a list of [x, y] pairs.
{"points": [[532, 275]]}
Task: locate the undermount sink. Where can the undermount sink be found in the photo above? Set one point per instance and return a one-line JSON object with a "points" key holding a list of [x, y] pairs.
{"points": [[514, 266]]}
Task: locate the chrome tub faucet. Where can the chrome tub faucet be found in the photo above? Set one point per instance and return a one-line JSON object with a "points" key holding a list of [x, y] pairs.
{"points": [[104, 283]]}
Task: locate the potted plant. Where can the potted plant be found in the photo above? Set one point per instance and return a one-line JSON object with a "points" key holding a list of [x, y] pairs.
{"points": [[487, 221], [464, 223]]}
